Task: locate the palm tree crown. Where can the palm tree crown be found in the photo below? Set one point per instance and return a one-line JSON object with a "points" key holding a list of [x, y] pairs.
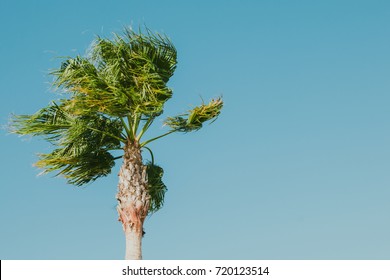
{"points": [[113, 96]]}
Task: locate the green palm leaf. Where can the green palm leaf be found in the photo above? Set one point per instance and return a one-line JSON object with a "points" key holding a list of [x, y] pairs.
{"points": [[194, 118], [83, 142], [49, 122], [78, 168], [156, 187], [138, 66], [91, 91]]}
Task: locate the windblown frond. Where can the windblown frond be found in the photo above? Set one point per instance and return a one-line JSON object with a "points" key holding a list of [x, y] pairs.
{"points": [[134, 50], [48, 122], [195, 118], [126, 75], [79, 168], [137, 66], [90, 90], [83, 142], [156, 187]]}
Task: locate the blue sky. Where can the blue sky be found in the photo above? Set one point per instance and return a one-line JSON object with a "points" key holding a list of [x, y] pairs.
{"points": [[296, 167]]}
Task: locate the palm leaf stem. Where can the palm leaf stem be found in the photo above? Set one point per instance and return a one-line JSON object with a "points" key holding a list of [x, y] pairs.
{"points": [[136, 121], [151, 154], [155, 138], [145, 127], [127, 129], [130, 128]]}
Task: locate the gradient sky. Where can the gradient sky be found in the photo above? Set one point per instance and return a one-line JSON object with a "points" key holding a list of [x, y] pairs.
{"points": [[296, 167]]}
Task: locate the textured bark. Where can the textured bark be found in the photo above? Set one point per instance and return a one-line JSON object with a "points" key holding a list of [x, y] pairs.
{"points": [[133, 199]]}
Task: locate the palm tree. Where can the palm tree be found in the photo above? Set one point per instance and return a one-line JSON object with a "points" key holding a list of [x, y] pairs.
{"points": [[112, 97]]}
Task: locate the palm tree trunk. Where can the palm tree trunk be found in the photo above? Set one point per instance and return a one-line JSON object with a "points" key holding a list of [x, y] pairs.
{"points": [[133, 199]]}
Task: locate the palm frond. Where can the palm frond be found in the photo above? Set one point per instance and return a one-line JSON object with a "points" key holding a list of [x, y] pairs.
{"points": [[157, 49], [139, 66], [79, 168], [49, 122], [156, 187], [82, 142], [194, 118], [90, 90]]}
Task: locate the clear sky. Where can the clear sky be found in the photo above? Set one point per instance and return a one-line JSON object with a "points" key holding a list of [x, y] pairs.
{"points": [[296, 167]]}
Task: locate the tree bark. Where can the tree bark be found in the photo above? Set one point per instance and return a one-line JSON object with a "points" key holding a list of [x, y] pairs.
{"points": [[133, 199]]}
